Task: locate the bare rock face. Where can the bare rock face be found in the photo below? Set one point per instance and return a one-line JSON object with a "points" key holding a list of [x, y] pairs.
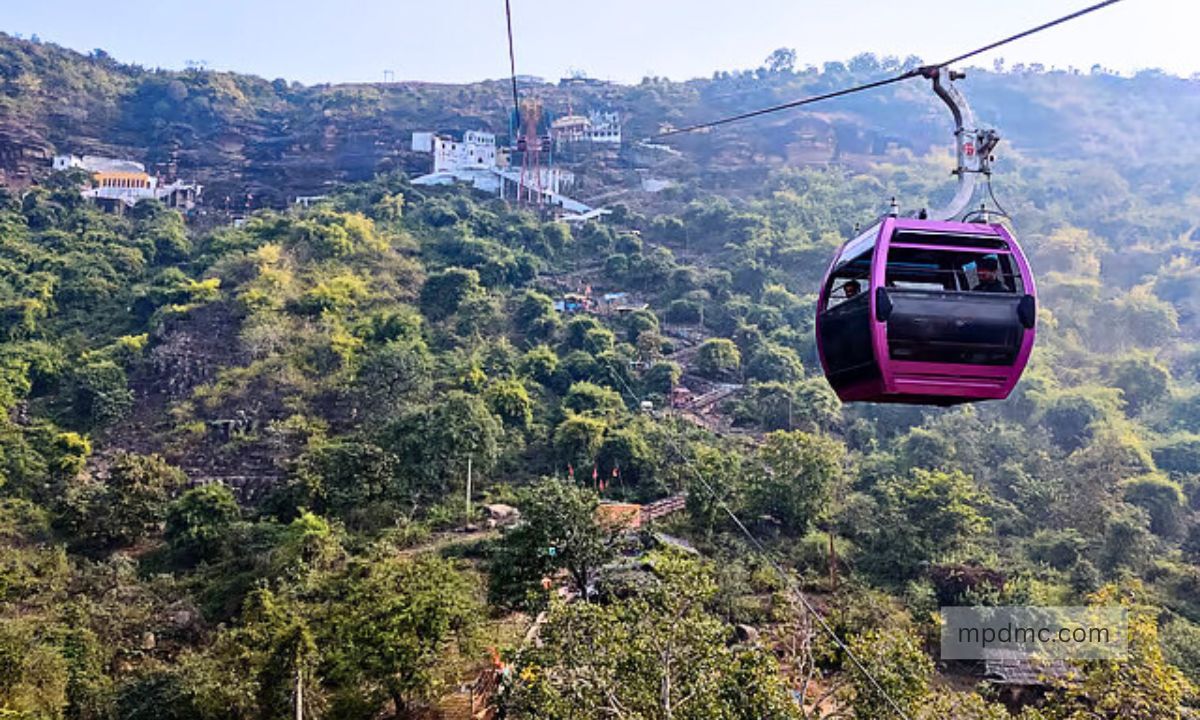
{"points": [[188, 351], [182, 616], [502, 514]]}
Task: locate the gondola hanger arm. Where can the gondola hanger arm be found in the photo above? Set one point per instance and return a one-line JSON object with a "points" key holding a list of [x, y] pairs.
{"points": [[973, 146]]}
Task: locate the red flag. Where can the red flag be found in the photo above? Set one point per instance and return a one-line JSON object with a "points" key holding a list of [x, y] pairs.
{"points": [[616, 473], [570, 471], [595, 472], [602, 486]]}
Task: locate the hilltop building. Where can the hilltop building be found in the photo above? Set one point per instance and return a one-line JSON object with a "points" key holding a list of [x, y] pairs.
{"points": [[597, 127], [582, 81], [475, 150], [120, 184], [606, 127], [475, 159]]}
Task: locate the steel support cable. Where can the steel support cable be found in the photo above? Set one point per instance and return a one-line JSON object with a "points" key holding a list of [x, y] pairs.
{"points": [[762, 551], [789, 105], [907, 75], [512, 60]]}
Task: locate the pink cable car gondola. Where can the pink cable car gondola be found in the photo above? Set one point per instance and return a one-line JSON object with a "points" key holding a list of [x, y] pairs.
{"points": [[930, 310]]}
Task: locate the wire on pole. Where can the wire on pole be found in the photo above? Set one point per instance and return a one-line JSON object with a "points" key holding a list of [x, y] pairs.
{"points": [[761, 550]]}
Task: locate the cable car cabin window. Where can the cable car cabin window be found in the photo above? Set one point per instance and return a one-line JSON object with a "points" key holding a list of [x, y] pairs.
{"points": [[911, 268], [846, 322], [849, 280], [917, 237], [953, 306]]}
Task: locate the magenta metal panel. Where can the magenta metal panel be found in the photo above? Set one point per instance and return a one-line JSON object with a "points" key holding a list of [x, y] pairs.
{"points": [[925, 382], [823, 296]]}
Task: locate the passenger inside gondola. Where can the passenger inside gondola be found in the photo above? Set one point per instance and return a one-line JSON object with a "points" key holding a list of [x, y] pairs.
{"points": [[987, 269]]}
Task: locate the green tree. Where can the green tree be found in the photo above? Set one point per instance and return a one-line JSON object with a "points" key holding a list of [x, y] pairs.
{"points": [[895, 660], [922, 516], [100, 393], [1143, 381], [718, 359], [578, 439], [588, 398], [1141, 685], [661, 377], [775, 362], [657, 655], [628, 453], [799, 472], [540, 364], [1073, 415], [536, 317], [716, 483], [33, 674], [560, 530], [1162, 500], [510, 401], [433, 443], [198, 522], [126, 506], [388, 627], [354, 480], [445, 292], [393, 376], [638, 322], [1127, 542]]}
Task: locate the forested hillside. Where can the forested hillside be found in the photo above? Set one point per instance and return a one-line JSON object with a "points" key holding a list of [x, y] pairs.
{"points": [[233, 460]]}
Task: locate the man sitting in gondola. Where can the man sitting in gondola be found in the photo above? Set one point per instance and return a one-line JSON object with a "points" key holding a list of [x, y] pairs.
{"points": [[988, 270]]}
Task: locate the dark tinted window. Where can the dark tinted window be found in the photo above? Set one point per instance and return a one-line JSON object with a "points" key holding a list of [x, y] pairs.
{"points": [[988, 242], [850, 280], [911, 268]]}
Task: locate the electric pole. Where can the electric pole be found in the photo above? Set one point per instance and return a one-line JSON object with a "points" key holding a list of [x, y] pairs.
{"points": [[468, 490]]}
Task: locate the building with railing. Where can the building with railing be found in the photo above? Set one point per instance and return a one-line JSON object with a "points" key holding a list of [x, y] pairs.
{"points": [[118, 184]]}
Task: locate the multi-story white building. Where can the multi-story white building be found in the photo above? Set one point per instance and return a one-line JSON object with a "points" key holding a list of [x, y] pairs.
{"points": [[606, 127], [475, 160], [476, 150], [570, 129], [597, 127], [118, 184]]}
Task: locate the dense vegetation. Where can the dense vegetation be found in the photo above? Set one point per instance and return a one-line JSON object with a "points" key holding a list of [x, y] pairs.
{"points": [[355, 356]]}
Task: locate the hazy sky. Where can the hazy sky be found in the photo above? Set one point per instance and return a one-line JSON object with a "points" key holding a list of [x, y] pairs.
{"points": [[459, 40]]}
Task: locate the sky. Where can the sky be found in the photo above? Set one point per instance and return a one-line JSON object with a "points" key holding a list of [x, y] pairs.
{"points": [[315, 41]]}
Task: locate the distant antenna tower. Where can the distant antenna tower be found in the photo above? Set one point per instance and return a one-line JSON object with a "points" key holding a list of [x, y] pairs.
{"points": [[200, 65], [529, 144], [389, 76]]}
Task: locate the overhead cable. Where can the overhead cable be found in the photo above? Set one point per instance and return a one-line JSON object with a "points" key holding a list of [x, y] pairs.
{"points": [[788, 580], [906, 75]]}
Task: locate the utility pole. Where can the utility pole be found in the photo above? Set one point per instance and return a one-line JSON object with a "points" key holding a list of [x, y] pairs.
{"points": [[299, 694], [468, 490], [832, 562]]}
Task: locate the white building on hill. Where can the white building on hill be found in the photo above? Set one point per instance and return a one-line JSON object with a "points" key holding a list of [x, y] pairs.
{"points": [[597, 127], [475, 160], [606, 127], [120, 184], [476, 150]]}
